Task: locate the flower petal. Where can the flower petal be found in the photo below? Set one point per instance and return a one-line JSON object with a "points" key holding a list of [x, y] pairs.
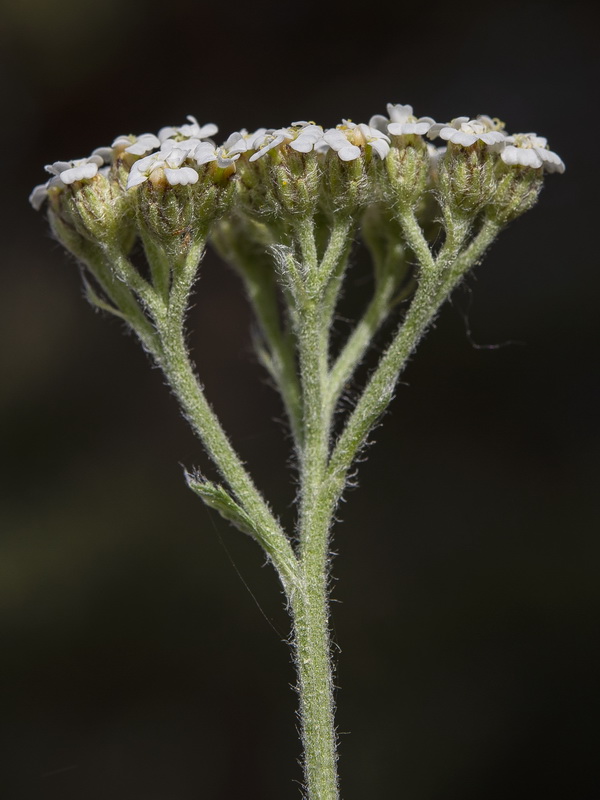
{"points": [[379, 122], [182, 176], [552, 161], [204, 153], [79, 173], [380, 146], [349, 152], [204, 132], [460, 137], [399, 113], [135, 178], [38, 196]]}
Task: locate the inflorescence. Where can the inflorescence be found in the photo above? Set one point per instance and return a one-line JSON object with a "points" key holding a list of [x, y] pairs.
{"points": [[387, 159]]}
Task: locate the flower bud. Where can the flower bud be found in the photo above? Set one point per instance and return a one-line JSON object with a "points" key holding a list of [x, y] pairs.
{"points": [[349, 185], [466, 177], [177, 216], [407, 170], [517, 191], [282, 183], [96, 209]]}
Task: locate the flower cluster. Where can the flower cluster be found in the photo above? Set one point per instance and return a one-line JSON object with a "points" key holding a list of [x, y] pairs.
{"points": [[187, 155]]}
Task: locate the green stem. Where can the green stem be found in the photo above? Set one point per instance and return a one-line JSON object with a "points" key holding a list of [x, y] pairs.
{"points": [[358, 343], [416, 240], [380, 388], [474, 252], [315, 686], [437, 280], [159, 262], [333, 261], [180, 375], [259, 279], [337, 254], [126, 272], [309, 604], [124, 302], [184, 275], [282, 366]]}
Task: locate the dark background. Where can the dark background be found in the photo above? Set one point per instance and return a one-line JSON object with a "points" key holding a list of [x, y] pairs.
{"points": [[135, 661]]}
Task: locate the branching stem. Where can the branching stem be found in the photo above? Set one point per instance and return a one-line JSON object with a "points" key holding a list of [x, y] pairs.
{"points": [[311, 282]]}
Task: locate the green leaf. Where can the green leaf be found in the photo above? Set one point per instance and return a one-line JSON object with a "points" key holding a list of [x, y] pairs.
{"points": [[95, 299], [218, 498]]}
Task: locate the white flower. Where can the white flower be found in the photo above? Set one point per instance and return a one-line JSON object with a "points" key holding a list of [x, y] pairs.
{"points": [[531, 150], [347, 138], [307, 138], [187, 145], [225, 155], [192, 131], [251, 139], [141, 144], [79, 170], [270, 139], [338, 141], [491, 123], [169, 162], [401, 121], [38, 196], [303, 137], [465, 131], [65, 173]]}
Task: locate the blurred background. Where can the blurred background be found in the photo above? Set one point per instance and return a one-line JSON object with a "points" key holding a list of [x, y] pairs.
{"points": [[143, 640]]}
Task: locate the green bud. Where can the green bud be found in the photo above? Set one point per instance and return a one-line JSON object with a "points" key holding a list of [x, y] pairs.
{"points": [[296, 178], [349, 186], [283, 183], [407, 170], [466, 178], [517, 191], [256, 194], [97, 210], [176, 218]]}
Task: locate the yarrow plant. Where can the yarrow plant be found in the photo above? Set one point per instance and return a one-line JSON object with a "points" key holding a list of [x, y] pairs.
{"points": [[284, 207]]}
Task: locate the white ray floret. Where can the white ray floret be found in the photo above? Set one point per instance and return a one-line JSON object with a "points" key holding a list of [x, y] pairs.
{"points": [[271, 138], [65, 173], [170, 163], [39, 195], [187, 145], [78, 170], [192, 131], [465, 132], [531, 150], [140, 146], [348, 138], [303, 137], [225, 154], [252, 138], [401, 121]]}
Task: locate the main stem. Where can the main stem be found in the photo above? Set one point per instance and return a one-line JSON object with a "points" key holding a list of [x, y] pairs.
{"points": [[315, 685], [310, 603]]}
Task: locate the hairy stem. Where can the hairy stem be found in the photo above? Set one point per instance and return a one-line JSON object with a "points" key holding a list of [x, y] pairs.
{"points": [[309, 605], [313, 660], [257, 272], [358, 343], [438, 277], [180, 375]]}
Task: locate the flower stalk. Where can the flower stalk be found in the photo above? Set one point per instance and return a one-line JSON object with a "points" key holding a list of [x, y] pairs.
{"points": [[284, 207]]}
